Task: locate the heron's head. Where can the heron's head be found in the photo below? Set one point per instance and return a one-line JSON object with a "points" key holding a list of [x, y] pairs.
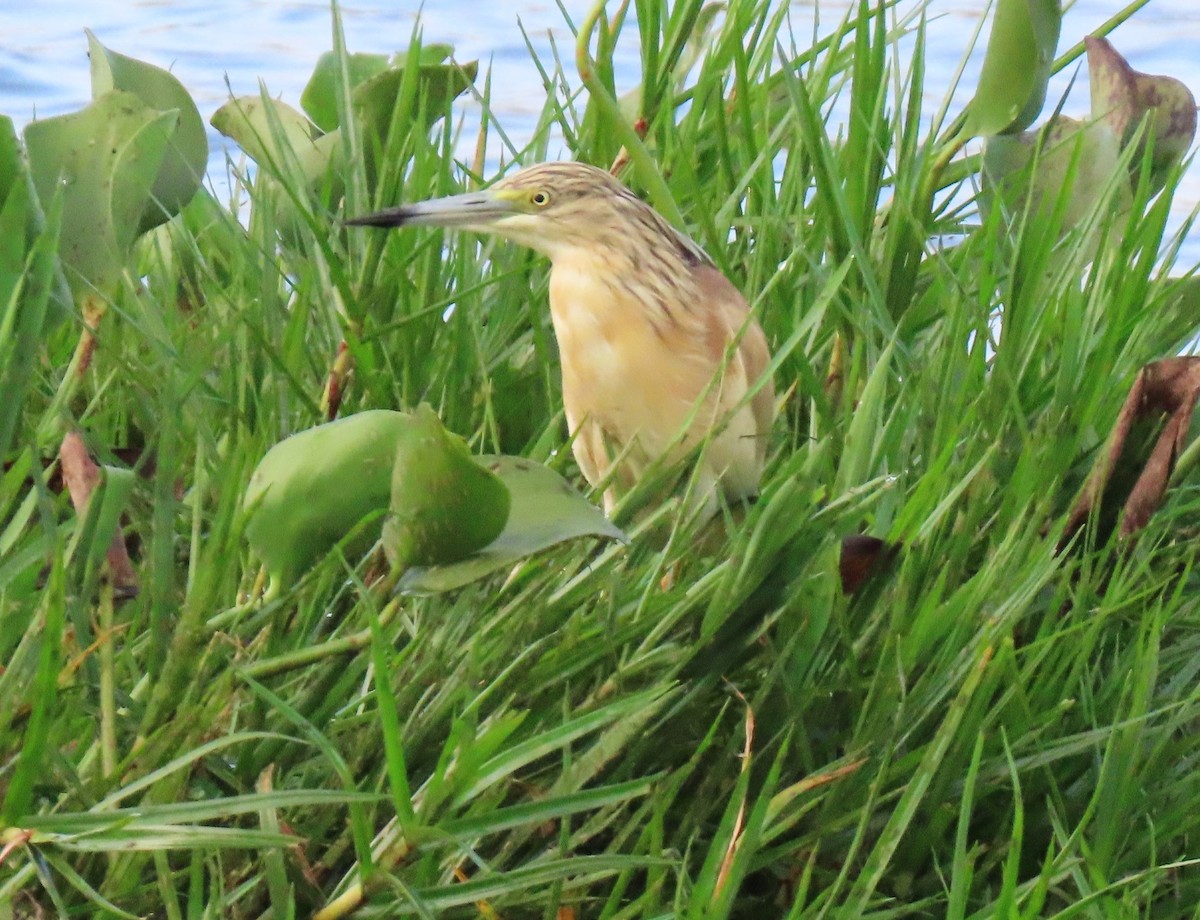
{"points": [[551, 207]]}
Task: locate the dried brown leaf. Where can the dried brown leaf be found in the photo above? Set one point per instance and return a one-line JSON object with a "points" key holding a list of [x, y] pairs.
{"points": [[860, 554], [81, 476], [1169, 387]]}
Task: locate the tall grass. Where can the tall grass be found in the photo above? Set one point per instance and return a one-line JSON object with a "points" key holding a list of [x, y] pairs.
{"points": [[989, 728]]}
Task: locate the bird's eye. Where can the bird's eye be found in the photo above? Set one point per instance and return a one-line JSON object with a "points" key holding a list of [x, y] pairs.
{"points": [[540, 198]]}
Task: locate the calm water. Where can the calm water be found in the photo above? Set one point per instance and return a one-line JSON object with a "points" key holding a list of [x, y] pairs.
{"points": [[218, 45]]}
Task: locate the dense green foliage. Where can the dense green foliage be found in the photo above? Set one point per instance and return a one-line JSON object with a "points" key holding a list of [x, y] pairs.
{"points": [[989, 728]]}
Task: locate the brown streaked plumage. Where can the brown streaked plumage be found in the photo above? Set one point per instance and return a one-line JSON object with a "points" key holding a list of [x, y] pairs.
{"points": [[644, 323]]}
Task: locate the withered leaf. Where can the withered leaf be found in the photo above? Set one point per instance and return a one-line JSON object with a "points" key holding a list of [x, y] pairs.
{"points": [[860, 555], [1122, 97], [1169, 387], [81, 476]]}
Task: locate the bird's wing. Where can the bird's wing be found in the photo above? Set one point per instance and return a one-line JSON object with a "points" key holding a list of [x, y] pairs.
{"points": [[757, 358], [726, 312]]}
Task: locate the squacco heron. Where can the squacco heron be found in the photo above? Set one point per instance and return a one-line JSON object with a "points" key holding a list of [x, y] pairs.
{"points": [[658, 349]]}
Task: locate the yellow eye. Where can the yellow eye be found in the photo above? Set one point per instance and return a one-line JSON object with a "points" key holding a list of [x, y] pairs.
{"points": [[540, 198]]}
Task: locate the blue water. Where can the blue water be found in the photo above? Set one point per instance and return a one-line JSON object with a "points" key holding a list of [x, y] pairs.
{"points": [[215, 46]]}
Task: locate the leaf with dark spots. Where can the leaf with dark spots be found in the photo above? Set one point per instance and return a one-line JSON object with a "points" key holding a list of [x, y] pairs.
{"points": [[104, 161], [182, 166], [1122, 97], [1169, 387]]}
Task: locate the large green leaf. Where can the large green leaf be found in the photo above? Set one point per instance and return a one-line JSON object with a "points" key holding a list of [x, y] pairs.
{"points": [[319, 99], [1016, 67], [104, 160], [183, 165], [1123, 97], [290, 151], [376, 99], [546, 511], [276, 135], [313, 489], [444, 505]]}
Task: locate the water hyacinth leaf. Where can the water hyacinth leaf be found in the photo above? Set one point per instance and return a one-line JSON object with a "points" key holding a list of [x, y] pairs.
{"points": [[319, 99], [1067, 157], [1016, 67], [104, 160], [186, 158], [1170, 388], [444, 505], [275, 135], [546, 511], [290, 151], [375, 99], [100, 496], [1123, 97], [312, 490]]}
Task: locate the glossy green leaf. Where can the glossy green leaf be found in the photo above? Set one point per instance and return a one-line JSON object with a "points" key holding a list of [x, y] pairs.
{"points": [[183, 165], [1123, 97], [311, 490], [546, 511], [1016, 67], [104, 160], [444, 505]]}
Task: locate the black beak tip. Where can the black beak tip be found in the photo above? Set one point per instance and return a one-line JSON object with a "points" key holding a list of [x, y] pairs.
{"points": [[395, 217]]}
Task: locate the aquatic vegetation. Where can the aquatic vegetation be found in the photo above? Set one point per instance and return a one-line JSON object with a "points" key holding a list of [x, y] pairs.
{"points": [[944, 666]]}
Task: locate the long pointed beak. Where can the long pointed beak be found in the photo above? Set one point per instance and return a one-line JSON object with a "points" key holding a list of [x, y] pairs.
{"points": [[474, 209]]}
